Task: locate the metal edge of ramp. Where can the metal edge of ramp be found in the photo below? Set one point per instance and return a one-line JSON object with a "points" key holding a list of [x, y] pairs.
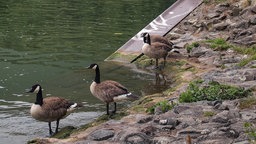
{"points": [[161, 25]]}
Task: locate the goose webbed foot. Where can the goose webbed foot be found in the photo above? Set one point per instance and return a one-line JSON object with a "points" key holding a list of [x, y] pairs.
{"points": [[50, 129]]}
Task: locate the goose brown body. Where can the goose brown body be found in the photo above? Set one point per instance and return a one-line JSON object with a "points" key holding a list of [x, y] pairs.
{"points": [[155, 46], [155, 50], [53, 108], [108, 91], [50, 109]]}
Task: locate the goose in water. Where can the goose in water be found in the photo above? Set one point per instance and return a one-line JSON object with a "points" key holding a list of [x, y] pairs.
{"points": [[157, 38], [155, 50], [51, 108], [108, 91]]}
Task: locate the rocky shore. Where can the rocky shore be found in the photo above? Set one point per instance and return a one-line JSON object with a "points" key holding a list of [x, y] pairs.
{"points": [[217, 44]]}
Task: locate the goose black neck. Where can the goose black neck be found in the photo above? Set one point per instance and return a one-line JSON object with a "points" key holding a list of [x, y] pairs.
{"points": [[147, 40], [39, 98], [97, 76]]}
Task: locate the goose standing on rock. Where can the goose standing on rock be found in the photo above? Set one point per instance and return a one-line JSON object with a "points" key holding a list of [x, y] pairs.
{"points": [[157, 38], [108, 91], [51, 108], [155, 50]]}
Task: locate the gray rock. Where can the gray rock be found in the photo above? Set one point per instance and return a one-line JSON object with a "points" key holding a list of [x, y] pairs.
{"points": [[220, 117], [221, 26], [102, 134], [164, 140], [231, 133], [235, 11], [189, 131], [169, 121], [179, 108], [248, 40], [242, 142], [240, 24], [233, 113], [220, 8], [137, 138], [217, 141], [149, 130], [253, 9], [212, 15], [145, 119], [252, 20], [214, 103], [221, 107], [247, 115], [198, 51]]}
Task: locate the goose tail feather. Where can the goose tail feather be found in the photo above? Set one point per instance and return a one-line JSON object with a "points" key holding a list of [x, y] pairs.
{"points": [[127, 96]]}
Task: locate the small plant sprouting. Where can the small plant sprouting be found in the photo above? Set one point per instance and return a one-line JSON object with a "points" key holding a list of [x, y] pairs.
{"points": [[193, 45], [250, 130], [164, 105], [209, 113], [219, 44]]}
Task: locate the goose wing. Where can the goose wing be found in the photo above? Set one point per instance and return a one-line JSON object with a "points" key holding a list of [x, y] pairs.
{"points": [[109, 89], [56, 106]]}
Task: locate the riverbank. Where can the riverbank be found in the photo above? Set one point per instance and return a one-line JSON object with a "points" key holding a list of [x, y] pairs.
{"points": [[217, 45]]}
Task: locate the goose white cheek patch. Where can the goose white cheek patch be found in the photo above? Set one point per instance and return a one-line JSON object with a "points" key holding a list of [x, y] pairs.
{"points": [[37, 89]]}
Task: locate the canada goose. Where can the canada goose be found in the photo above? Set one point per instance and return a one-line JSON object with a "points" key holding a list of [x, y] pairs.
{"points": [[108, 91], [51, 108], [157, 38], [155, 50]]}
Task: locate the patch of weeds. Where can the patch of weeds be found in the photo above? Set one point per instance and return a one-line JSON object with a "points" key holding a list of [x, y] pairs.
{"points": [[213, 91], [209, 113], [164, 105], [64, 132], [219, 44], [247, 102], [144, 62], [138, 108], [191, 46], [245, 50], [250, 130], [247, 60]]}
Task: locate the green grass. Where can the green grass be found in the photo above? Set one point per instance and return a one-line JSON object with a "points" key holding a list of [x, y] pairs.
{"points": [[247, 60], [191, 46], [213, 91], [218, 44], [247, 103], [164, 105], [250, 130], [209, 113]]}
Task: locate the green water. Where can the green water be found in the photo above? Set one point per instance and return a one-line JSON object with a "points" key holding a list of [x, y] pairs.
{"points": [[51, 42]]}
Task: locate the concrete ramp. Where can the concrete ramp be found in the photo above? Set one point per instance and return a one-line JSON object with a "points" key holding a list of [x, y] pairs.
{"points": [[160, 25]]}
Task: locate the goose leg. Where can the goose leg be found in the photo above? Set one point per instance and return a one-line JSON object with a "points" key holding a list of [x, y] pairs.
{"points": [[114, 107], [107, 109], [50, 128], [156, 65], [57, 126], [164, 61]]}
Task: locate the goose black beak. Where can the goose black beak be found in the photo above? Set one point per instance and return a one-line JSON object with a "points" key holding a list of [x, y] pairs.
{"points": [[28, 90]]}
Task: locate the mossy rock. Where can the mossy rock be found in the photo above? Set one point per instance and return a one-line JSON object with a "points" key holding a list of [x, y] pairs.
{"points": [[64, 132]]}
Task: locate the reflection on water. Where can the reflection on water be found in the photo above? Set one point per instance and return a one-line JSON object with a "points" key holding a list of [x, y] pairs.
{"points": [[51, 43]]}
